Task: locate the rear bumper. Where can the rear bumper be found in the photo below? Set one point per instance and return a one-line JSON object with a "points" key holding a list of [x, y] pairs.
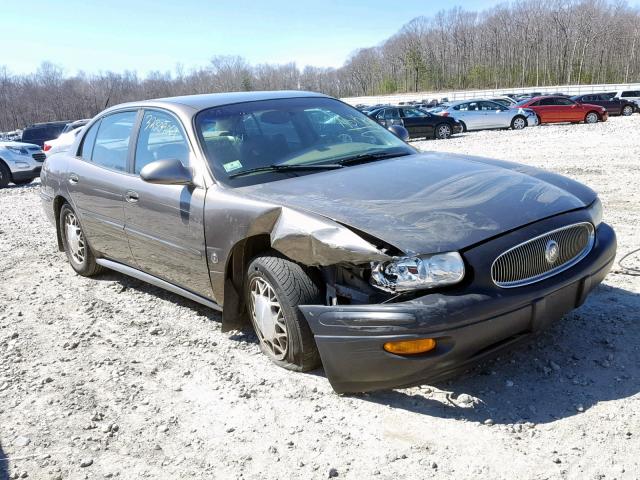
{"points": [[469, 325]]}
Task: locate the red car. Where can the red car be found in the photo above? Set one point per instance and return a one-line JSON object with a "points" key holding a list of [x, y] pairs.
{"points": [[562, 109]]}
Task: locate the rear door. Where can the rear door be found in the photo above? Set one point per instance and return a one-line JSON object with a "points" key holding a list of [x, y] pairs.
{"points": [[165, 223], [417, 122], [96, 184], [546, 110], [470, 114]]}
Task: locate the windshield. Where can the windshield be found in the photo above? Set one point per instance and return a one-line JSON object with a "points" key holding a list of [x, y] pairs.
{"points": [[288, 132]]}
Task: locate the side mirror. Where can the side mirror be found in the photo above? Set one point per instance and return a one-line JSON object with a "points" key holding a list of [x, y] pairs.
{"points": [[400, 132], [166, 172]]}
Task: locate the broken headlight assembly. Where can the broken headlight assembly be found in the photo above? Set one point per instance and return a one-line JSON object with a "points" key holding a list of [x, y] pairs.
{"points": [[418, 272]]}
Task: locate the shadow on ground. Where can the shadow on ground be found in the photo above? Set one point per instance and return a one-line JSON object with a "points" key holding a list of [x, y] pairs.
{"points": [[4, 465], [589, 356]]}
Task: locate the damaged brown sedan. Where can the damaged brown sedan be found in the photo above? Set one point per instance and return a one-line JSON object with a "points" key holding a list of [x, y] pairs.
{"points": [[339, 243]]}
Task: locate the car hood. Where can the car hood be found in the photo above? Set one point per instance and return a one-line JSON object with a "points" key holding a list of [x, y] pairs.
{"points": [[432, 202]]}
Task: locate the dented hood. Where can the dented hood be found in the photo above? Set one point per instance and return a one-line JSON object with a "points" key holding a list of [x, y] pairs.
{"points": [[432, 202]]}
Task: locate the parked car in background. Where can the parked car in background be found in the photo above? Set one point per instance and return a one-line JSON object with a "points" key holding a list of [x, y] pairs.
{"points": [[76, 124], [20, 163], [343, 246], [419, 123], [38, 133], [630, 95], [613, 105], [485, 114], [62, 143], [561, 109], [504, 101]]}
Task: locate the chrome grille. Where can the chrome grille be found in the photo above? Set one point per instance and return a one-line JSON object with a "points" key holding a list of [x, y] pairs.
{"points": [[527, 263], [39, 157]]}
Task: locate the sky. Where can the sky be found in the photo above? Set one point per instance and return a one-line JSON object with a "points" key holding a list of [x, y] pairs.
{"points": [[150, 35]]}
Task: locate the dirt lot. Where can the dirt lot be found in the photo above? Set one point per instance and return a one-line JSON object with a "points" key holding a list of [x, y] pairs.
{"points": [[110, 377]]}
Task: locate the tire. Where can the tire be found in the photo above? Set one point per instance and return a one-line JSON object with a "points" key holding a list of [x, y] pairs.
{"points": [[518, 122], [627, 110], [442, 131], [23, 182], [591, 117], [287, 341], [79, 253], [5, 175], [464, 127]]}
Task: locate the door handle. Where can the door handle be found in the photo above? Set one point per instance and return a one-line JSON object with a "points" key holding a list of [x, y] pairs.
{"points": [[73, 178], [131, 196]]}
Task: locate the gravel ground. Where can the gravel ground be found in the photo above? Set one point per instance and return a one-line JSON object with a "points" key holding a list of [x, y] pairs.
{"points": [[111, 377]]}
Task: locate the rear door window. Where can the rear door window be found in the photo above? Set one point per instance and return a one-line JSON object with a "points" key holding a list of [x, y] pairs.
{"points": [[111, 147]]}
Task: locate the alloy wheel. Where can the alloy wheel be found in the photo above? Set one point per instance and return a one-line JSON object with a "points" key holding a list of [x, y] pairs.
{"points": [[268, 317], [444, 131], [75, 238], [519, 123], [592, 118], [626, 111]]}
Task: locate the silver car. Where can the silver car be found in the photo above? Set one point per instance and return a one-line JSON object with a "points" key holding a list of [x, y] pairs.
{"points": [[20, 163], [486, 114]]}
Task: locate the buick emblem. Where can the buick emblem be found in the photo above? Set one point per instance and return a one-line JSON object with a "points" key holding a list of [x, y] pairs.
{"points": [[551, 251]]}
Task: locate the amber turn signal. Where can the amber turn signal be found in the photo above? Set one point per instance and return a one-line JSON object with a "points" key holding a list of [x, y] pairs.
{"points": [[410, 347]]}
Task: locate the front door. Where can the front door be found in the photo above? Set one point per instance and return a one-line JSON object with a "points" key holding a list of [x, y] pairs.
{"points": [[417, 123], [96, 184], [165, 223]]}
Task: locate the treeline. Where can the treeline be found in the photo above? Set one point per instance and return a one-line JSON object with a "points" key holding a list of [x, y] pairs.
{"points": [[530, 43]]}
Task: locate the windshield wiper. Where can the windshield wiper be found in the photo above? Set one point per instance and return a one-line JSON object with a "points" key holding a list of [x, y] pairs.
{"points": [[370, 157], [288, 168]]}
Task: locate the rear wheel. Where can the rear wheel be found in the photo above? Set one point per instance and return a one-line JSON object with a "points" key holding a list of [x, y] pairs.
{"points": [[518, 123], [5, 175], [627, 110], [274, 288], [464, 126], [592, 117], [443, 131], [75, 244]]}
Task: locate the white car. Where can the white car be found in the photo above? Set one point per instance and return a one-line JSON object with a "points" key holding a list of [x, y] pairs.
{"points": [[62, 143], [20, 162], [630, 95]]}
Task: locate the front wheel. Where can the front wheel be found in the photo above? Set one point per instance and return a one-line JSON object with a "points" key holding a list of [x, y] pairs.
{"points": [[627, 110], [5, 175], [592, 117], [274, 288], [443, 131], [518, 123], [75, 244]]}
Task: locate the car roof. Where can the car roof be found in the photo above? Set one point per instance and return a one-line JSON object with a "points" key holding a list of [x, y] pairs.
{"points": [[209, 100], [46, 124]]}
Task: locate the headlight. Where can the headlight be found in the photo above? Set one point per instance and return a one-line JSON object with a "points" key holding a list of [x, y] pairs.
{"points": [[595, 210], [18, 150], [413, 273]]}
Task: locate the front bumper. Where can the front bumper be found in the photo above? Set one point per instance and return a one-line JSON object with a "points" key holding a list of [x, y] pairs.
{"points": [[605, 116], [29, 174], [469, 323], [532, 121]]}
